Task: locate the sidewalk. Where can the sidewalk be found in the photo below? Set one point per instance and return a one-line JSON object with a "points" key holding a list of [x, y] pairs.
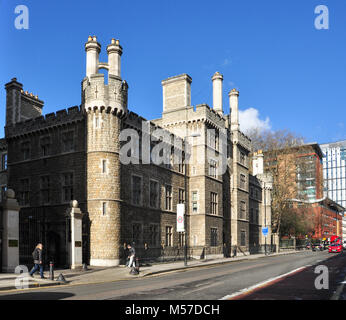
{"points": [[100, 275]]}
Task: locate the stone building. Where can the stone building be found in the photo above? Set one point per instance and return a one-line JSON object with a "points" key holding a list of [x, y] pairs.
{"points": [[77, 154]]}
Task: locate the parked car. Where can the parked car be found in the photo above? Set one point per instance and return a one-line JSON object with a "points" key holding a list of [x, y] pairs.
{"points": [[344, 244], [320, 246], [335, 247]]}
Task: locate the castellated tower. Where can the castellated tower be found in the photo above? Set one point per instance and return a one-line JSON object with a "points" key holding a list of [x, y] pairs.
{"points": [[105, 106]]}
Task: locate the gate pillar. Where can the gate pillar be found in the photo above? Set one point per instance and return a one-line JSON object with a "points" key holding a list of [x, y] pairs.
{"points": [[75, 246], [10, 236]]}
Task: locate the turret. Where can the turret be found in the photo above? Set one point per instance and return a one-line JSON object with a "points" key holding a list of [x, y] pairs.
{"points": [[95, 91], [105, 105]]}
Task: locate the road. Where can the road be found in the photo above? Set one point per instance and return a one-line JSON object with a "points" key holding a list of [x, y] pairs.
{"points": [[227, 281]]}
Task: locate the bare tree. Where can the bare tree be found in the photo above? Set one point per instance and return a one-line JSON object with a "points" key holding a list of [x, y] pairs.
{"points": [[281, 159]]}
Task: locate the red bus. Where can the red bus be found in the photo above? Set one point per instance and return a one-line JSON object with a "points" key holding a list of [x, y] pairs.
{"points": [[335, 240]]}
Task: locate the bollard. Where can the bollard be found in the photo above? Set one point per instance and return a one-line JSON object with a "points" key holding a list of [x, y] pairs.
{"points": [[51, 270], [137, 265]]}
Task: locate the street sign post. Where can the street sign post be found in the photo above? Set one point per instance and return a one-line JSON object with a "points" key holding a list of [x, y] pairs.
{"points": [[180, 217], [265, 231]]}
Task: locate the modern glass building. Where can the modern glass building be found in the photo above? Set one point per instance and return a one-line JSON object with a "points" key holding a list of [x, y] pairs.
{"points": [[334, 174], [334, 171]]}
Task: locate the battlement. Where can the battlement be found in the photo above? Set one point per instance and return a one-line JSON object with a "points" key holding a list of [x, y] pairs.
{"points": [[242, 139], [135, 121], [59, 118], [202, 112]]}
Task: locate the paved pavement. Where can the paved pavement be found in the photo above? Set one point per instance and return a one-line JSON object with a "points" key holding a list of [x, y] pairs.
{"points": [[11, 281], [207, 282]]}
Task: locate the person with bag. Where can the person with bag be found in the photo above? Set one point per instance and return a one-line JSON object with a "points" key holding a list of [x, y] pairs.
{"points": [[38, 261], [132, 254]]}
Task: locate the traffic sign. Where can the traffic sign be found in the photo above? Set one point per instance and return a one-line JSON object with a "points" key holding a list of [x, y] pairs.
{"points": [[265, 231]]}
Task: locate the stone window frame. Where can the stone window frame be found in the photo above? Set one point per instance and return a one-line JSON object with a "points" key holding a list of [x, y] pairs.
{"points": [[242, 184], [182, 165], [168, 236], [45, 147], [139, 238], [213, 203], [64, 187], [213, 138], [212, 168], [170, 197], [242, 158], [24, 191], [157, 205], [104, 208], [242, 212], [71, 134], [194, 201], [104, 166], [213, 236], [45, 189], [4, 159], [154, 232], [26, 149], [242, 243], [97, 121], [181, 195], [140, 203]]}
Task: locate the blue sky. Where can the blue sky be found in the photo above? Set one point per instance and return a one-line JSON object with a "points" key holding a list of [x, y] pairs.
{"points": [[289, 72]]}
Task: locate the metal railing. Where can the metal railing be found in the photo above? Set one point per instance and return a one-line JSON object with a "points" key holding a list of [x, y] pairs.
{"points": [[171, 254]]}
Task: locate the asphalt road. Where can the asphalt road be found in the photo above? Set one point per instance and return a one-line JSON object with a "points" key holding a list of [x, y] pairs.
{"points": [[211, 283]]}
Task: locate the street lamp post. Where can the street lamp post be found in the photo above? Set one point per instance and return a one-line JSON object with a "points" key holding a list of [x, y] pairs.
{"points": [[265, 218], [186, 196]]}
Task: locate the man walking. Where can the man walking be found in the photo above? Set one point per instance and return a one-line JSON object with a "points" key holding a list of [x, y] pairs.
{"points": [[38, 261], [132, 254]]}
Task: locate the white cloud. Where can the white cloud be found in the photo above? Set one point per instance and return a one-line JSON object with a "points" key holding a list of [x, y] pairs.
{"points": [[249, 119]]}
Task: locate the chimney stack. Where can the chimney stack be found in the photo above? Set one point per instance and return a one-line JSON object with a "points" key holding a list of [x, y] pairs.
{"points": [[92, 48], [114, 51], [217, 92], [233, 103]]}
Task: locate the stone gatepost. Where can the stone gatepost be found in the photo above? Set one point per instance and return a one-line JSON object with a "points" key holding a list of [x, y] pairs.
{"points": [[75, 246], [10, 239]]}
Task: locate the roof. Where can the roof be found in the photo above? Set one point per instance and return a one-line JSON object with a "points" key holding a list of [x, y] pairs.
{"points": [[314, 145]]}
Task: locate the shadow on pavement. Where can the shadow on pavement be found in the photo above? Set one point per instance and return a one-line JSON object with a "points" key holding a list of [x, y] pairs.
{"points": [[37, 296]]}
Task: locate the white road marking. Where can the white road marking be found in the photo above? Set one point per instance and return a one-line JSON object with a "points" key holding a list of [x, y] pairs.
{"points": [[263, 283], [339, 290], [204, 287]]}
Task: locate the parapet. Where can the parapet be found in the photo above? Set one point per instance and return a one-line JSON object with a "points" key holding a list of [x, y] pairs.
{"points": [[61, 117]]}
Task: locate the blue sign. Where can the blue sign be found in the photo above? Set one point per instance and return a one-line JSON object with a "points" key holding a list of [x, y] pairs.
{"points": [[265, 231]]}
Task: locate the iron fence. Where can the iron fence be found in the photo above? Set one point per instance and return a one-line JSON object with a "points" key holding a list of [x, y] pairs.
{"points": [[41, 225]]}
